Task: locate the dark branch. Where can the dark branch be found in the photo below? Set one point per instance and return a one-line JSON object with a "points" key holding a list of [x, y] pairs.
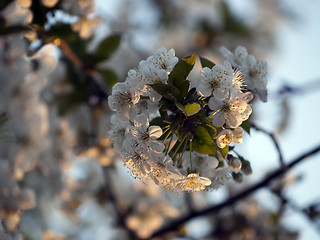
{"points": [[214, 209], [275, 141]]}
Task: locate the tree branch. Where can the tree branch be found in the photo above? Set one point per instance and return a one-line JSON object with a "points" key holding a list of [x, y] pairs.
{"points": [[68, 52], [275, 141], [233, 199]]}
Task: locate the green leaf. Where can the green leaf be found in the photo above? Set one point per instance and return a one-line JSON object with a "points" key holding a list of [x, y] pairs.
{"points": [[203, 148], [169, 92], [109, 76], [181, 107], [163, 114], [203, 135], [184, 89], [202, 142], [158, 121], [246, 126], [206, 63], [211, 130], [181, 71], [224, 151], [192, 109], [107, 47]]}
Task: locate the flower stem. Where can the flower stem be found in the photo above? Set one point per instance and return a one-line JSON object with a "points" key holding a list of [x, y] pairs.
{"points": [[190, 154], [166, 137], [175, 152], [184, 148], [169, 145]]}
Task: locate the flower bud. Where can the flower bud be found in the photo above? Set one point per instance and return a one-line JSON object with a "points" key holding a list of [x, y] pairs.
{"points": [[237, 176], [246, 168], [235, 163]]}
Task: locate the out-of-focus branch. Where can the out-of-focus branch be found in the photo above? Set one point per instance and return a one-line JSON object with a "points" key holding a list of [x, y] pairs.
{"points": [[121, 217], [289, 90], [233, 199], [275, 141], [304, 211], [68, 52]]}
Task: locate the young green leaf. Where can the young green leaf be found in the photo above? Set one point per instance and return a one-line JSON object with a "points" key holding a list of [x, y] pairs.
{"points": [[107, 47], [206, 63], [181, 107], [184, 89], [224, 151], [192, 109], [211, 130], [246, 126], [181, 71], [158, 121], [203, 148], [167, 91]]}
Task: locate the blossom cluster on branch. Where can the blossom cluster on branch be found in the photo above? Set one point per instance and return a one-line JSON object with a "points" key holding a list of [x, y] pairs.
{"points": [[179, 136]]}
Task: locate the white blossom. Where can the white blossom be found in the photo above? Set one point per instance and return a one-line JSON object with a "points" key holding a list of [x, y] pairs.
{"points": [[216, 81], [122, 99], [146, 136], [232, 110], [164, 173], [237, 135], [256, 76], [220, 176], [117, 132], [134, 159], [151, 76], [163, 59], [79, 7], [201, 163], [16, 15], [87, 26], [43, 63], [193, 183], [238, 58], [49, 3], [224, 138]]}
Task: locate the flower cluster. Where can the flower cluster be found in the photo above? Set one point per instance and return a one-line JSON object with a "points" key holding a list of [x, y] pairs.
{"points": [[177, 136]]}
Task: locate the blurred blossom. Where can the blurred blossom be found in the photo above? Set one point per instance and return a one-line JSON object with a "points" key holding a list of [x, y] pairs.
{"points": [[14, 15], [87, 26]]}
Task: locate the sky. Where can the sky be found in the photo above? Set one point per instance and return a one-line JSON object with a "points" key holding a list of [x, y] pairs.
{"points": [[295, 62]]}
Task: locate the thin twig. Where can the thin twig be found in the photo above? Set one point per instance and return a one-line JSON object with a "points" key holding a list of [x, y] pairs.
{"points": [[275, 141], [233, 199], [68, 52]]}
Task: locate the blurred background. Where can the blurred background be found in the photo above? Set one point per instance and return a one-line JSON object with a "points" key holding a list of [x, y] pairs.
{"points": [[60, 177]]}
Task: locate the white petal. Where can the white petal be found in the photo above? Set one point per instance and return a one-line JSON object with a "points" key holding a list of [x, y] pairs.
{"points": [[141, 121], [155, 132], [214, 104], [204, 89], [218, 119]]}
